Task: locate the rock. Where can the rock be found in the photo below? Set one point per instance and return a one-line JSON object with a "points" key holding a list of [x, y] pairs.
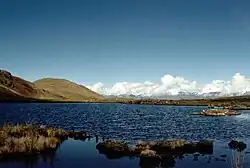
{"points": [[6, 78]]}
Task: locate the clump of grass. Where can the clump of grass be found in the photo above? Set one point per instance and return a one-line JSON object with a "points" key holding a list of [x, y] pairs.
{"points": [[52, 132], [173, 144], [28, 139]]}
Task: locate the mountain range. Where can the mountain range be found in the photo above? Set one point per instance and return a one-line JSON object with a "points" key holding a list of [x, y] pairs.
{"points": [[14, 88], [181, 95]]}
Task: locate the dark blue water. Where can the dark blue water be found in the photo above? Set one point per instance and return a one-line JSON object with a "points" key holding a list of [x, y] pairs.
{"points": [[129, 123]]}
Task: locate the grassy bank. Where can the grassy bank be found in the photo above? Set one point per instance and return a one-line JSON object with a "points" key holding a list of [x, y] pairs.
{"points": [[237, 103], [24, 139], [28, 139]]}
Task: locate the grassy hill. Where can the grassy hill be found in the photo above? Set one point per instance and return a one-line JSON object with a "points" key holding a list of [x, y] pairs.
{"points": [[17, 89], [67, 89]]}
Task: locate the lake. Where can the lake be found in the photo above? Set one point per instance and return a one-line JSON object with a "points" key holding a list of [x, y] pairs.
{"points": [[130, 123]]}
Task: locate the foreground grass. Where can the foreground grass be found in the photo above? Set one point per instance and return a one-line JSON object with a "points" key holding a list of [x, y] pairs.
{"points": [[29, 139]]}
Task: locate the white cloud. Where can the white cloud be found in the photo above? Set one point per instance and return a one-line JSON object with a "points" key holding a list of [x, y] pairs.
{"points": [[173, 85]]}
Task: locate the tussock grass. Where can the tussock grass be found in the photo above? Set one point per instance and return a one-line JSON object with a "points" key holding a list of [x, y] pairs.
{"points": [[29, 139]]}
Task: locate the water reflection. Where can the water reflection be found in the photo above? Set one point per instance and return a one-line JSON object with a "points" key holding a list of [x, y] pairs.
{"points": [[129, 123], [78, 153], [31, 161], [238, 153], [167, 162]]}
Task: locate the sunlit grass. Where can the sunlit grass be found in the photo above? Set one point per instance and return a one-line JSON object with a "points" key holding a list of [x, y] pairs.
{"points": [[28, 139]]}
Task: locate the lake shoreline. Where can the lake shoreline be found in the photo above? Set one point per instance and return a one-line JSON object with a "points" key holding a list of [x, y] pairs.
{"points": [[196, 102]]}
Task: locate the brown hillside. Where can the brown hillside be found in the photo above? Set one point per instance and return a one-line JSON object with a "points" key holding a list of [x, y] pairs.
{"points": [[14, 88], [67, 89], [7, 94], [15, 85]]}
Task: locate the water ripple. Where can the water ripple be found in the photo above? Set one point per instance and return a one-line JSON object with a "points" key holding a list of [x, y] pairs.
{"points": [[131, 122]]}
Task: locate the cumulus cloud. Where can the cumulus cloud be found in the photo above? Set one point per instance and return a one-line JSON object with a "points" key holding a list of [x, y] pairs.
{"points": [[175, 85]]}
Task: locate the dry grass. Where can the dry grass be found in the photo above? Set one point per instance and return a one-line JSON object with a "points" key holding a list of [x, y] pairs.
{"points": [[148, 153], [13, 88], [67, 89], [28, 139], [173, 144]]}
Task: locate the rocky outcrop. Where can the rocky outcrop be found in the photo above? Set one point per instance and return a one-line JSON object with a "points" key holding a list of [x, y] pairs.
{"points": [[17, 85]]}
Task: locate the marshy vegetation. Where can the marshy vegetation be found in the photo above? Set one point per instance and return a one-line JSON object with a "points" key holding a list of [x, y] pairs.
{"points": [[219, 112], [35, 141], [153, 149], [28, 139], [154, 153], [24, 139], [165, 152]]}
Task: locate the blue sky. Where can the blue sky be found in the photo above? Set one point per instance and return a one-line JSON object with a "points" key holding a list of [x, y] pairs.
{"points": [[109, 41]]}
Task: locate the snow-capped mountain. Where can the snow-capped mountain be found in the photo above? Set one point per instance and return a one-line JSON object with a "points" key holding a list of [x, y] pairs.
{"points": [[181, 95]]}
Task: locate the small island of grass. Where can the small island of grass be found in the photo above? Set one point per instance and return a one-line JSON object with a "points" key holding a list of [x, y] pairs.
{"points": [[219, 112], [22, 140]]}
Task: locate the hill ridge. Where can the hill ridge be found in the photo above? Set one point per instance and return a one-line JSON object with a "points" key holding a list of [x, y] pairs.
{"points": [[57, 89]]}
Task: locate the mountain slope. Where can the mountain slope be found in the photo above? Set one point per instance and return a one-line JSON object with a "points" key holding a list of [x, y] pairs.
{"points": [[17, 85], [14, 88], [67, 89], [17, 89]]}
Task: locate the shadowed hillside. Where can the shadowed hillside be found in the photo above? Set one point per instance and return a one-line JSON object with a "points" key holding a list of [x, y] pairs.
{"points": [[17, 86]]}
